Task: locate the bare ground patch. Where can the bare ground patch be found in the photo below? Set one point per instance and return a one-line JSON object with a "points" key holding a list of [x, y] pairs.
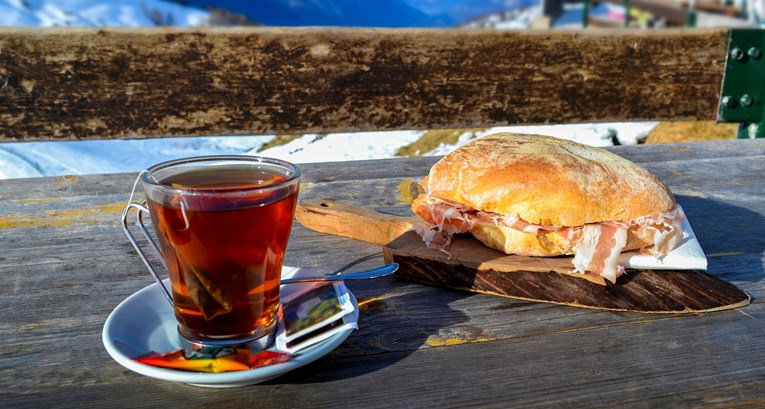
{"points": [[434, 138], [690, 131]]}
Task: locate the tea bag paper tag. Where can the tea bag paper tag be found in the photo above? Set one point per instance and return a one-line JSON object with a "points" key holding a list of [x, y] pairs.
{"points": [[312, 315]]}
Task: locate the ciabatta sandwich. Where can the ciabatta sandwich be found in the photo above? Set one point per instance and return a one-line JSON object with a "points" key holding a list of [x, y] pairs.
{"points": [[536, 195]]}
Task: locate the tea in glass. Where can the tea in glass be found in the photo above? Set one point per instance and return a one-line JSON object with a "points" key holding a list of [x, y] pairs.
{"points": [[223, 224]]}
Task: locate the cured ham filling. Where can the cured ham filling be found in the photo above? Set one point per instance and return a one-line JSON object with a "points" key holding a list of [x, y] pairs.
{"points": [[596, 246]]}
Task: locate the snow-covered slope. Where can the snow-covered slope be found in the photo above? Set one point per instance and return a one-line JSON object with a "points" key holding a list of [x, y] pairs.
{"points": [[19, 160], [112, 13], [379, 145], [517, 18], [31, 159]]}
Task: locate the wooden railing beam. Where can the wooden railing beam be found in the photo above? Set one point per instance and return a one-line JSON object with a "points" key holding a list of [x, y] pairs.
{"points": [[130, 83]]}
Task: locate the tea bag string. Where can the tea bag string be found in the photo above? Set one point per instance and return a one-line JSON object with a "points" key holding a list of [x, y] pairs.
{"points": [[132, 194], [183, 212], [140, 208], [135, 185], [183, 204]]}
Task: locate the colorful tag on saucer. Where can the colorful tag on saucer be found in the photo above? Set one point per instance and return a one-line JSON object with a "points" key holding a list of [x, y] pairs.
{"points": [[306, 317], [214, 360]]}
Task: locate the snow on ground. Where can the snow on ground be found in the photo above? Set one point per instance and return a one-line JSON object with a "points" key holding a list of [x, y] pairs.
{"points": [[31, 159], [520, 18], [380, 145], [342, 146], [112, 13]]}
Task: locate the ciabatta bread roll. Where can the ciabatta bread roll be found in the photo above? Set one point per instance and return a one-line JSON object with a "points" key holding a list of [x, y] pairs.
{"points": [[536, 195]]}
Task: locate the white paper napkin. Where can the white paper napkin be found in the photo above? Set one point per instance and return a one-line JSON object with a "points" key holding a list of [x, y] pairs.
{"points": [[688, 256]]}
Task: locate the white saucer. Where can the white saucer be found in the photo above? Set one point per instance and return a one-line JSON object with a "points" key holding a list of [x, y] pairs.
{"points": [[144, 322]]}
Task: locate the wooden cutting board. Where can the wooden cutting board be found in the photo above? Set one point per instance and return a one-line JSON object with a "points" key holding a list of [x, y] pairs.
{"points": [[471, 266]]}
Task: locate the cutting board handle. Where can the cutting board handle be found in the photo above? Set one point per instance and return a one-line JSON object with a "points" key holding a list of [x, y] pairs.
{"points": [[344, 220]]}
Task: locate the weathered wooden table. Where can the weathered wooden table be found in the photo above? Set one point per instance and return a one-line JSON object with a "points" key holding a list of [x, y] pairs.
{"points": [[65, 264]]}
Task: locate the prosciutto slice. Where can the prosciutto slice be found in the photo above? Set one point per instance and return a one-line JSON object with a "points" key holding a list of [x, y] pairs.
{"points": [[450, 218], [596, 246], [599, 248]]}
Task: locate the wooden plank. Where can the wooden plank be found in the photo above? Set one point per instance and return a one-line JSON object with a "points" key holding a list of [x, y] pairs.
{"points": [[355, 222], [126, 83], [475, 267]]}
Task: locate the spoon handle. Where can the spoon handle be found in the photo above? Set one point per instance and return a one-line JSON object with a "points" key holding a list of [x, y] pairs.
{"points": [[373, 273]]}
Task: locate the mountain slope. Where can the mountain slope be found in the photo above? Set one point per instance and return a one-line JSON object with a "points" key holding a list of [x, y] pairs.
{"points": [[360, 13], [460, 11], [112, 13]]}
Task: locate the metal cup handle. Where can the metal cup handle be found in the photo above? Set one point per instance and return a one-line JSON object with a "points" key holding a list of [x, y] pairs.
{"points": [[141, 209]]}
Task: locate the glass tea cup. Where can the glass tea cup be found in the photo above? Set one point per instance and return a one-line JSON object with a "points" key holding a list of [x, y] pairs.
{"points": [[222, 225]]}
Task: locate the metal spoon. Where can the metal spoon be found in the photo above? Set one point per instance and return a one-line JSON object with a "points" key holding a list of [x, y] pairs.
{"points": [[373, 273]]}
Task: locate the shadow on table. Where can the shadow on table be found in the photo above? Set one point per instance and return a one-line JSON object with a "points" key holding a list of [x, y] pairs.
{"points": [[391, 327], [731, 236], [411, 317]]}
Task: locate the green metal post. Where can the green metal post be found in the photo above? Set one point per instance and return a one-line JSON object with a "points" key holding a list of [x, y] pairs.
{"points": [[626, 4], [586, 13], [751, 130], [742, 98], [691, 19]]}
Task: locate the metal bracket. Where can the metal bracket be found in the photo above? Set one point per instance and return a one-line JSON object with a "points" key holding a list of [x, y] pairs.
{"points": [[742, 98]]}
